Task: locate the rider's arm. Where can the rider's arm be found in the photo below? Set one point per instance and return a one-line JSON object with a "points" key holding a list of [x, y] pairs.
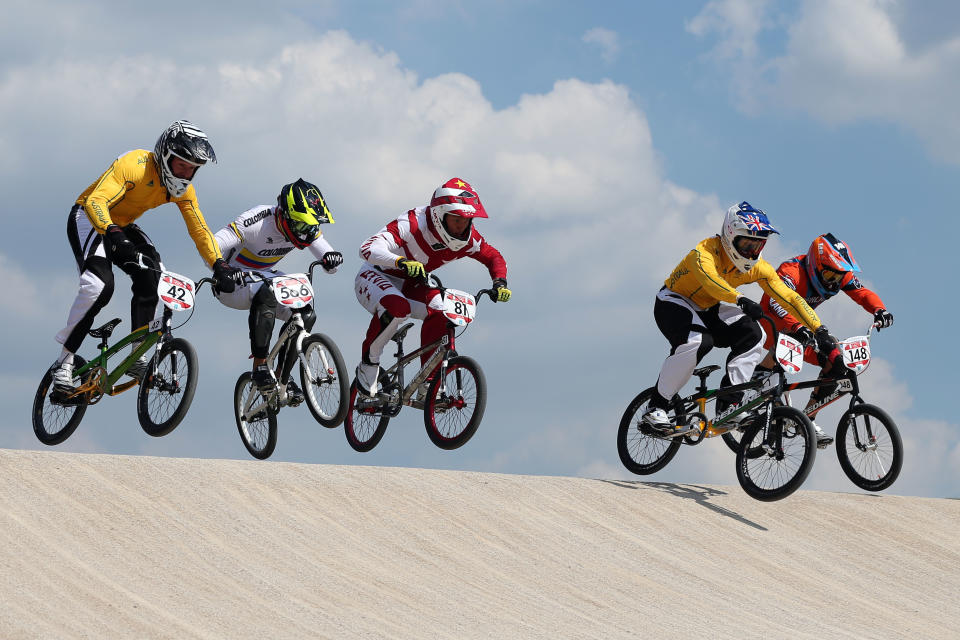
{"points": [[784, 322], [383, 249], [861, 295], [789, 299], [702, 265], [197, 227], [320, 246], [489, 257], [230, 240], [107, 191]]}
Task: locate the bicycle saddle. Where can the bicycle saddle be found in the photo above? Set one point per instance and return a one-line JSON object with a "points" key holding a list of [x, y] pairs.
{"points": [[401, 333], [105, 330], [703, 372]]}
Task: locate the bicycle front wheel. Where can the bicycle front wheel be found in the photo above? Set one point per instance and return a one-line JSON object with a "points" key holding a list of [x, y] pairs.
{"points": [[326, 385], [767, 472], [258, 431], [165, 397], [363, 426], [455, 404], [641, 450], [54, 422], [869, 447]]}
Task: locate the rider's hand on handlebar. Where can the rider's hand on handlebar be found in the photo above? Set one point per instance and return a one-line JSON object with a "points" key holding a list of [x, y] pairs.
{"points": [[751, 308], [828, 349], [804, 336], [227, 277], [331, 260], [882, 319], [122, 251], [413, 268], [501, 293]]}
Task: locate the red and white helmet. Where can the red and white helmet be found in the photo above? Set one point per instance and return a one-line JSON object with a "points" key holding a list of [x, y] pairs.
{"points": [[455, 197]]}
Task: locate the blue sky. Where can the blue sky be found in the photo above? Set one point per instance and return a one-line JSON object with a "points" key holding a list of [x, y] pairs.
{"points": [[605, 139]]}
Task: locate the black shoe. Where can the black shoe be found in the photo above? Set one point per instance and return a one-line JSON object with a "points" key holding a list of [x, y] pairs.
{"points": [[264, 380], [294, 394]]}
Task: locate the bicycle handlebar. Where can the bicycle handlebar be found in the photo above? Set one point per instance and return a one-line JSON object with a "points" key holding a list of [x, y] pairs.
{"points": [[490, 293]]}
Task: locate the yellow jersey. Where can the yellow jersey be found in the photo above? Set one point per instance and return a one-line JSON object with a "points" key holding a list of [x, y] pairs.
{"points": [[707, 276], [130, 187]]}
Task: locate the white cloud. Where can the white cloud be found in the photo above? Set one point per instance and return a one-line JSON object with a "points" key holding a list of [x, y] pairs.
{"points": [[608, 41], [844, 61]]}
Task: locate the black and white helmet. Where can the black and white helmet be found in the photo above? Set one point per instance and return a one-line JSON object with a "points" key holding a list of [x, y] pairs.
{"points": [[185, 141]]}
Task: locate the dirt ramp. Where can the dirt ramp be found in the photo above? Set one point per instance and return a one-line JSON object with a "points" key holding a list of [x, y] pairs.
{"points": [[137, 547]]}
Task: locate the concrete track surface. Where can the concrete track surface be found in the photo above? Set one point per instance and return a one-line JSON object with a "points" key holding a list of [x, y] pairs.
{"points": [[96, 546]]}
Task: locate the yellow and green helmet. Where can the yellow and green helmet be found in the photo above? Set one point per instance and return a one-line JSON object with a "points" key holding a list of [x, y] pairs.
{"points": [[301, 210]]}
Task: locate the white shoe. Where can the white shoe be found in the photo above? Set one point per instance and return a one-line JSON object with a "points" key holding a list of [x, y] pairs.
{"points": [[139, 368], [63, 379], [823, 438], [657, 418], [367, 375]]}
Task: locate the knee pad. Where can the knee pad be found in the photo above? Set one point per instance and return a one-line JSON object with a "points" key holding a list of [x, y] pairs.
{"points": [[309, 317], [263, 315]]}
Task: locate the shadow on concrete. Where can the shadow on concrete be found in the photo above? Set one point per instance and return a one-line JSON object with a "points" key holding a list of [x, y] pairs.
{"points": [[700, 495]]}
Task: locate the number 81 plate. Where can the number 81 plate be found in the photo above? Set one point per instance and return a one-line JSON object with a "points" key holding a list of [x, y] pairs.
{"points": [[459, 307]]}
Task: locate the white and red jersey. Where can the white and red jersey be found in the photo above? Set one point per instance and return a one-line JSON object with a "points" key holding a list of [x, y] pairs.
{"points": [[411, 236], [253, 242]]}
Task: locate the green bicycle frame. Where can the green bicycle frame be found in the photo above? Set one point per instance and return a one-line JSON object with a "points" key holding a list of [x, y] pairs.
{"points": [[150, 338]]}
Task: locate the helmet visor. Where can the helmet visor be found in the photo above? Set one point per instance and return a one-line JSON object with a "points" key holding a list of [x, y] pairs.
{"points": [[304, 230], [749, 248], [832, 278]]}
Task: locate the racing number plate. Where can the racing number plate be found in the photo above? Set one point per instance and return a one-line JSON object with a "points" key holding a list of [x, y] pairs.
{"points": [[856, 353], [293, 291], [789, 354], [459, 307], [176, 291]]}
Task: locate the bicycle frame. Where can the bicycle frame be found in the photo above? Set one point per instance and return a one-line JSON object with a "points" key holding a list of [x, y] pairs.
{"points": [[445, 348], [293, 329], [101, 382], [765, 397]]}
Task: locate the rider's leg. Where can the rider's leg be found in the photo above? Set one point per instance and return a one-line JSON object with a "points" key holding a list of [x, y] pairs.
{"points": [[94, 292], [143, 304], [380, 295], [263, 310], [679, 321], [745, 337], [816, 396]]}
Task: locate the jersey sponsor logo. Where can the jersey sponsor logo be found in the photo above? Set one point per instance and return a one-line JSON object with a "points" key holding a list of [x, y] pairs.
{"points": [[279, 251], [257, 217]]}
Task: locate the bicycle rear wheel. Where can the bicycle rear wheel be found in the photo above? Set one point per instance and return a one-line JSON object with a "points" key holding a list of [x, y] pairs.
{"points": [[453, 415], [642, 450], [363, 426], [53, 422], [259, 431], [769, 474], [869, 447], [165, 397], [327, 389]]}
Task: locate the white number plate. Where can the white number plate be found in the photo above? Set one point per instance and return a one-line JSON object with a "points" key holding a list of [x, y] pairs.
{"points": [[176, 291], [856, 353], [293, 291], [459, 307], [789, 354]]}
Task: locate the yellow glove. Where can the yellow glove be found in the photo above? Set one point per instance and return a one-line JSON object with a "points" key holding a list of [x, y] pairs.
{"points": [[501, 291], [413, 268]]}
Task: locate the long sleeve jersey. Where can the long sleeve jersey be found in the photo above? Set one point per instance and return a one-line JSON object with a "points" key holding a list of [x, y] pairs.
{"points": [[707, 276], [253, 242], [410, 236], [794, 273], [131, 186]]}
